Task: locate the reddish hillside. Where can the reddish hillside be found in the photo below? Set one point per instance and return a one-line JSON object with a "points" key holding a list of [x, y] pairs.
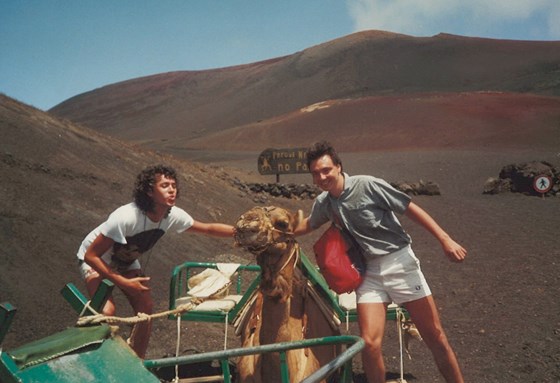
{"points": [[193, 104], [420, 121]]}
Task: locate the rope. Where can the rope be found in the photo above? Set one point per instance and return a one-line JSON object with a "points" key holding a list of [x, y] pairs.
{"points": [[295, 251], [177, 348], [86, 307], [225, 331], [400, 318], [140, 317]]}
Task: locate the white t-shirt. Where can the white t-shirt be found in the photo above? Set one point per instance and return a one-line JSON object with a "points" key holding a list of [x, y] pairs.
{"points": [[134, 234]]}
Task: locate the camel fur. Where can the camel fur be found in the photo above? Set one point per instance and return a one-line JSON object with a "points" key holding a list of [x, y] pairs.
{"points": [[283, 311]]}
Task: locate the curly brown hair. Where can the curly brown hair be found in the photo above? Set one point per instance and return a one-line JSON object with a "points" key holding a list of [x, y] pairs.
{"points": [[145, 182]]}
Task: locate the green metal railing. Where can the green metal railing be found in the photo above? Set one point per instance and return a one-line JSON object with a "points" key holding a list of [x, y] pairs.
{"points": [[178, 287], [343, 360]]}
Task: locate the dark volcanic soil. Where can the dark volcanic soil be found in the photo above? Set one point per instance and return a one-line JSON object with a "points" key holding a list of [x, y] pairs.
{"points": [[498, 307]]}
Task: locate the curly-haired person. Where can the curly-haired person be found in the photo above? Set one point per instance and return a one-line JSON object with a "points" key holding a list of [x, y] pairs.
{"points": [[112, 250]]}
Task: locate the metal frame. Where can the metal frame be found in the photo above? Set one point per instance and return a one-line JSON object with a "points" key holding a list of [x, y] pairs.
{"points": [[179, 287], [343, 360]]}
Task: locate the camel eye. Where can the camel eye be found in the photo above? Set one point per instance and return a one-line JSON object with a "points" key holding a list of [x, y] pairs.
{"points": [[281, 225]]}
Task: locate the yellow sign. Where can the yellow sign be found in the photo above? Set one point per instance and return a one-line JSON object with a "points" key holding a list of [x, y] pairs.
{"points": [[283, 161]]}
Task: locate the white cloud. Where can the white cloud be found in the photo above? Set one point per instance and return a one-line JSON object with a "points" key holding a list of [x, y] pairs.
{"points": [[553, 21], [497, 18], [508, 9]]}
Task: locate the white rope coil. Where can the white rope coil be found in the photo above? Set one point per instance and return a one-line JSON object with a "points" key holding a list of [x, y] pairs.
{"points": [[140, 317]]}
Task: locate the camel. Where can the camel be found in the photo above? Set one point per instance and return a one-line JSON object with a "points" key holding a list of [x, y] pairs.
{"points": [[282, 311]]}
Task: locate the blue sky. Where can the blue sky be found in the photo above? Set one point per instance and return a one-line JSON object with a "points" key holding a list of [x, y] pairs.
{"points": [[51, 50]]}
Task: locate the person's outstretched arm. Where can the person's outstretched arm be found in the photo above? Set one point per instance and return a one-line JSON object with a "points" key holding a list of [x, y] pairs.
{"points": [[454, 251], [214, 229]]}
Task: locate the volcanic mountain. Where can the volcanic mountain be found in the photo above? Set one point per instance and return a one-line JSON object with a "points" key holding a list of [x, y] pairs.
{"points": [[448, 109], [380, 87]]}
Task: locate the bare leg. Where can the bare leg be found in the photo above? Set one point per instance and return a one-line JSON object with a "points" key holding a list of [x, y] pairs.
{"points": [[141, 332], [140, 335], [425, 316], [371, 319], [140, 338], [92, 284]]}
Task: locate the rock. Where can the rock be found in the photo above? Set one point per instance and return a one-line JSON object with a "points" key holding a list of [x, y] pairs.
{"points": [[418, 188], [294, 191], [496, 185], [519, 178], [305, 191]]}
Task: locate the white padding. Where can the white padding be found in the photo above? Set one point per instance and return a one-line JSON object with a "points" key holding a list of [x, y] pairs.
{"points": [[210, 283], [347, 301], [228, 269], [224, 304]]}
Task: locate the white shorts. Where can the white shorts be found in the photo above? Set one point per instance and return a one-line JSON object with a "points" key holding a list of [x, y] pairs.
{"points": [[87, 271], [394, 277]]}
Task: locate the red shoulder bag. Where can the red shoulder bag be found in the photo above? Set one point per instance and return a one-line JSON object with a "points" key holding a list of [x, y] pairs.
{"points": [[340, 259]]}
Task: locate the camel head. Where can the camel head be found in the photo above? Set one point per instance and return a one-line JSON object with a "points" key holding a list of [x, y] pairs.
{"points": [[267, 229], [268, 232]]}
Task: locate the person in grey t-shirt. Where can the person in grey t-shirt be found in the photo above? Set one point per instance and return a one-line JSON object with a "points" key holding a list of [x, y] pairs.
{"points": [[366, 206]]}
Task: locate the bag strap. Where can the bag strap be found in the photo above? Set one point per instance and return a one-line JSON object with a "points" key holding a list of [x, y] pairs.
{"points": [[337, 221], [339, 224], [357, 259]]}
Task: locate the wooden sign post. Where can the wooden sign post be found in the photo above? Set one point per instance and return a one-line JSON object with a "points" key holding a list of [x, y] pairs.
{"points": [[282, 161]]}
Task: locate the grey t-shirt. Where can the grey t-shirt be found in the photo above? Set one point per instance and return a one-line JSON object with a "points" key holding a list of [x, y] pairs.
{"points": [[367, 207]]}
